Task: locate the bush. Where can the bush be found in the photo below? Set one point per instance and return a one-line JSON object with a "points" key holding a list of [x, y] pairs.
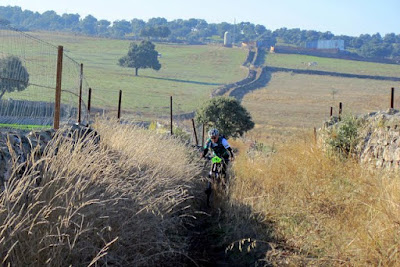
{"points": [[344, 136], [227, 115]]}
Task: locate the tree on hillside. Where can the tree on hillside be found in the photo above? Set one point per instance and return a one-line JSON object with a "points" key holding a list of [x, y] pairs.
{"points": [[103, 27], [71, 21], [227, 115], [89, 25], [120, 28], [137, 25], [141, 56], [13, 75], [156, 31]]}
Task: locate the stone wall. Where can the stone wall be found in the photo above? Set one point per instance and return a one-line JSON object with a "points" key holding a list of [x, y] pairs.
{"points": [[379, 144], [17, 146], [378, 141]]}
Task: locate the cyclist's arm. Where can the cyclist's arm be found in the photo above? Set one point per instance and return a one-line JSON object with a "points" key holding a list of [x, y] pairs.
{"points": [[230, 152], [228, 147], [206, 148], [205, 151]]}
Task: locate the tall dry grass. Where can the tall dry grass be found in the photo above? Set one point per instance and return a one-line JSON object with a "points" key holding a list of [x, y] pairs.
{"points": [[120, 202], [323, 210]]}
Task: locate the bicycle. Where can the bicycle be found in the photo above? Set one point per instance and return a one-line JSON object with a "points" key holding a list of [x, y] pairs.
{"points": [[215, 176]]}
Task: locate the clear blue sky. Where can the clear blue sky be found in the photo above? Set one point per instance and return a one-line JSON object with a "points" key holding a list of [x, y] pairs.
{"points": [[350, 17]]}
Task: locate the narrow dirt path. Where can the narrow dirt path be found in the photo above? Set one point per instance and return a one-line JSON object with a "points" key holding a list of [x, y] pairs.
{"points": [[206, 246]]}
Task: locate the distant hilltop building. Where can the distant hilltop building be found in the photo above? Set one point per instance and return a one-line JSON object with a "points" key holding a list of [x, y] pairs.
{"points": [[326, 44], [252, 44], [227, 39]]}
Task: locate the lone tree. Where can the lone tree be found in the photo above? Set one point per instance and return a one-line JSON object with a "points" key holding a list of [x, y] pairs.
{"points": [[141, 56], [13, 75], [227, 115]]}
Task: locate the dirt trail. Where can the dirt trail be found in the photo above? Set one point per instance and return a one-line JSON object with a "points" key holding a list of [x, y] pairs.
{"points": [[206, 246]]}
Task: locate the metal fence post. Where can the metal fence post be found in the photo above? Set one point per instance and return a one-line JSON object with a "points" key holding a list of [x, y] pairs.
{"points": [[89, 100], [340, 110], [119, 104], [392, 99]]}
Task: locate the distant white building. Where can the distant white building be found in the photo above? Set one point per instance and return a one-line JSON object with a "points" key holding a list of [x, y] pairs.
{"points": [[326, 44]]}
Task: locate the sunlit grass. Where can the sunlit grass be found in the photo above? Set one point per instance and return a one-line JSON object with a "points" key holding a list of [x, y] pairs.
{"points": [[295, 61], [24, 127], [120, 202], [327, 211], [296, 101]]}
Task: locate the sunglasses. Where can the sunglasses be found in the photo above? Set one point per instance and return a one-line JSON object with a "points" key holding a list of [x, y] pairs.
{"points": [[213, 137]]}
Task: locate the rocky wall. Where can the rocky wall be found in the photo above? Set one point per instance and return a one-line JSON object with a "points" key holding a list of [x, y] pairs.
{"points": [[378, 138], [17, 146]]}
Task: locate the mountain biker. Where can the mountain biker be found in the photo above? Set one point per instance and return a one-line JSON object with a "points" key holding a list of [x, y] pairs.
{"points": [[220, 147]]}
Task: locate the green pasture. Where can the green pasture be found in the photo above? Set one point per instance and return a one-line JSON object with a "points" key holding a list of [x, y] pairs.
{"points": [[294, 61], [24, 127], [189, 73]]}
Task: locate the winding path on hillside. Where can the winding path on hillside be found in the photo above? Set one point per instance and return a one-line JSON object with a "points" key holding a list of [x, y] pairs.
{"points": [[260, 75], [264, 73]]}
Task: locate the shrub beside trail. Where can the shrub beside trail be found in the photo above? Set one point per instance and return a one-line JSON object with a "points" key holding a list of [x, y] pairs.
{"points": [[120, 202]]}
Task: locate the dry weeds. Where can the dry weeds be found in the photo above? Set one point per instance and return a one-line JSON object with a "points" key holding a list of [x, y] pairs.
{"points": [[326, 210], [121, 202]]}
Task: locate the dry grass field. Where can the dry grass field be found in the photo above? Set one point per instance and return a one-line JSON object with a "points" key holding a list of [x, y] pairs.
{"points": [[312, 209], [296, 101], [122, 202], [308, 207]]}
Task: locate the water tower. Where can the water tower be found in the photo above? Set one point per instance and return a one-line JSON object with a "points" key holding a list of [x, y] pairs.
{"points": [[227, 39]]}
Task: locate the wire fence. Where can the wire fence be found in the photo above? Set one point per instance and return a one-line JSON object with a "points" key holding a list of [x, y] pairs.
{"points": [[28, 74], [28, 80]]}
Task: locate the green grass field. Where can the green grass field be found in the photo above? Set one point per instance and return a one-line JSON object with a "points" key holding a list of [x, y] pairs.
{"points": [[188, 73], [24, 127], [331, 64]]}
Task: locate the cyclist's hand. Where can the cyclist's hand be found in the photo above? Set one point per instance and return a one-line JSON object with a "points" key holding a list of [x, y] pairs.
{"points": [[232, 158]]}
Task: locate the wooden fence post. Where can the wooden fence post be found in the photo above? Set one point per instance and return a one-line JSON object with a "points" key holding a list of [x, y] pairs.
{"points": [[202, 138], [331, 112], [80, 96], [171, 114], [57, 103], [119, 104], [195, 133], [340, 110]]}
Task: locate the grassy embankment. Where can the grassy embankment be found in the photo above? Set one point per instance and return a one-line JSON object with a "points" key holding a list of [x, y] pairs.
{"points": [[121, 202], [312, 208]]}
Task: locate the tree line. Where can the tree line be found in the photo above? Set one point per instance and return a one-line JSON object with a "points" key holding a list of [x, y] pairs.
{"points": [[195, 31]]}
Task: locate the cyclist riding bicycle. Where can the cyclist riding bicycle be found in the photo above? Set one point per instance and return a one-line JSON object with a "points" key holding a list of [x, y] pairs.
{"points": [[220, 147]]}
